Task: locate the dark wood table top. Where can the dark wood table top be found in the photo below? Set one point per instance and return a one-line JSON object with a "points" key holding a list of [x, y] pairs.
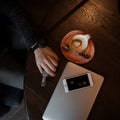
{"points": [[99, 18]]}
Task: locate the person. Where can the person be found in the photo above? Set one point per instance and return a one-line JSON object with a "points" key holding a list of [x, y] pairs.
{"points": [[17, 32], [45, 57]]}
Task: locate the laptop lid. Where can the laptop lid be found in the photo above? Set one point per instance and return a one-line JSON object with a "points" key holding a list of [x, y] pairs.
{"points": [[74, 105]]}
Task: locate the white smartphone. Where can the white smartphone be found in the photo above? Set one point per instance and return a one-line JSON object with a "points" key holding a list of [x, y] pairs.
{"points": [[77, 82]]}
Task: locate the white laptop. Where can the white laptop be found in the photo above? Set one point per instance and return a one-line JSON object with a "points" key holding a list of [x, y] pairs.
{"points": [[76, 104]]}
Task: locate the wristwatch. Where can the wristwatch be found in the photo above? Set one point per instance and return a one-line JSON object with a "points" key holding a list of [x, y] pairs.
{"points": [[40, 44]]}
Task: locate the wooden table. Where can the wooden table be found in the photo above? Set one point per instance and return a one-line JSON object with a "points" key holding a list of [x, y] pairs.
{"points": [[99, 18]]}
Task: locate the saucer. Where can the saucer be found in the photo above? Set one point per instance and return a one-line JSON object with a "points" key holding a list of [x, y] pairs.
{"points": [[72, 56]]}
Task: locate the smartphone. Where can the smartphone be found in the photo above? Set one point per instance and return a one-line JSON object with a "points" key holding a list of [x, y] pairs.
{"points": [[77, 82]]}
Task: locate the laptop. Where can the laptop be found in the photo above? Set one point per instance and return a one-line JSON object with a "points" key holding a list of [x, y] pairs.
{"points": [[76, 104]]}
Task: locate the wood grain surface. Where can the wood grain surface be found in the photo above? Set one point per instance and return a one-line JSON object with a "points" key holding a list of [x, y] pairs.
{"points": [[99, 18]]}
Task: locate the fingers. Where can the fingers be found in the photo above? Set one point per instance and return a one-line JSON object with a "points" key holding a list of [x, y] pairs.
{"points": [[55, 56], [45, 67], [50, 65], [46, 59], [40, 68], [51, 53], [53, 61], [48, 70]]}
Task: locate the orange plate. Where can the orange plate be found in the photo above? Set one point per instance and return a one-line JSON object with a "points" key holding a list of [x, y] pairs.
{"points": [[75, 57]]}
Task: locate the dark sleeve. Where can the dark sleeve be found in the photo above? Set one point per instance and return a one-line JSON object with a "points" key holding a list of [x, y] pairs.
{"points": [[22, 21]]}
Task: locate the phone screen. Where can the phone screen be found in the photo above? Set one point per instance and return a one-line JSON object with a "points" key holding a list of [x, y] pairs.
{"points": [[78, 82]]}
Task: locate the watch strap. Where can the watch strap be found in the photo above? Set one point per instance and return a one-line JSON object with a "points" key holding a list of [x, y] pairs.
{"points": [[40, 44]]}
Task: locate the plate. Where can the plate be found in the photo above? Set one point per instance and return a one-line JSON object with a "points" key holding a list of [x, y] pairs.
{"points": [[72, 56]]}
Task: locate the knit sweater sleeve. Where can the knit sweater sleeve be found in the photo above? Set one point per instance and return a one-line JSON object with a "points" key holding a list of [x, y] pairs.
{"points": [[20, 18]]}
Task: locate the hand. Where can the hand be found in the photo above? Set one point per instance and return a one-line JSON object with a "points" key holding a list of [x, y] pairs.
{"points": [[46, 59]]}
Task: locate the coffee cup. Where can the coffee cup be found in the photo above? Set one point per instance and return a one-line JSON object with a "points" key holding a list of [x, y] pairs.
{"points": [[79, 43]]}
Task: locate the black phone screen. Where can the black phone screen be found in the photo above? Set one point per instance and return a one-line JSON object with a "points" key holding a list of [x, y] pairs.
{"points": [[78, 82]]}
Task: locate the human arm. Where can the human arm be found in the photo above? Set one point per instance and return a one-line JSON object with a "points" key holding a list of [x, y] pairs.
{"points": [[11, 9], [46, 59], [21, 20]]}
